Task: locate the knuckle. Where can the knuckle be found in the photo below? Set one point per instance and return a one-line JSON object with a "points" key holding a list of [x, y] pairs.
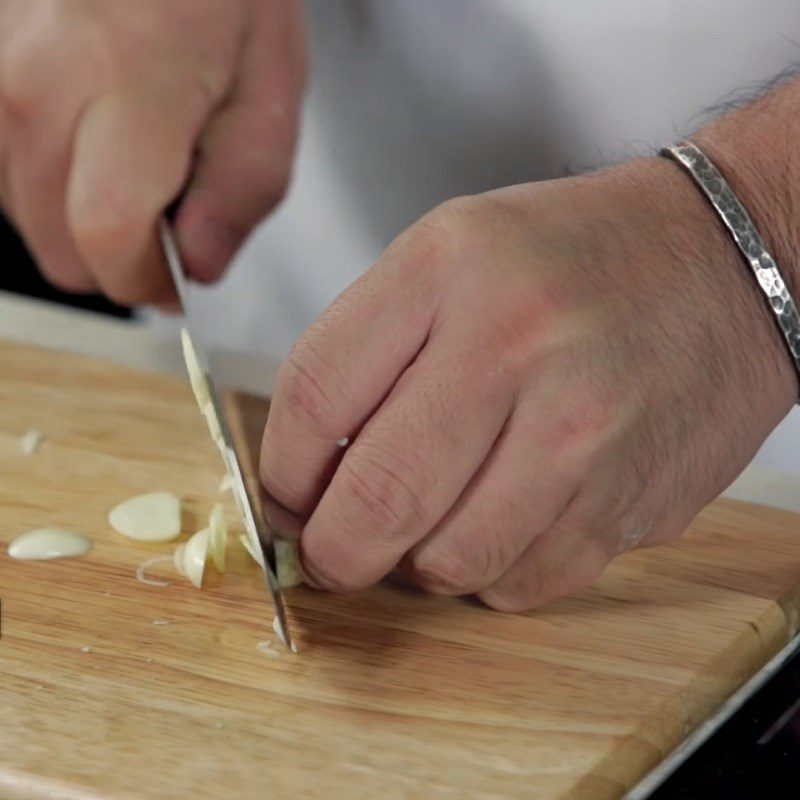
{"points": [[105, 227], [39, 47], [380, 490], [436, 238], [22, 63], [306, 383]]}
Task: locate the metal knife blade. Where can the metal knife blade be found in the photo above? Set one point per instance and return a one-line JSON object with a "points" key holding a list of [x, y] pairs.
{"points": [[259, 535]]}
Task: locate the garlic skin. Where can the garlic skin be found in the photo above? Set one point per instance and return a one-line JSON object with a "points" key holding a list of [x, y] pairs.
{"points": [[141, 571], [151, 517]]}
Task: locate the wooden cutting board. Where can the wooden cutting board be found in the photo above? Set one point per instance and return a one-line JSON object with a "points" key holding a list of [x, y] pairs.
{"points": [[394, 694]]}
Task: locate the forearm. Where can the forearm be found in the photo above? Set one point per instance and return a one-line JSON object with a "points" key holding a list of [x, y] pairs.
{"points": [[757, 149]]}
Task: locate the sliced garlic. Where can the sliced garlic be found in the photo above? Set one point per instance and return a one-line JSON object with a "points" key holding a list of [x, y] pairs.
{"points": [[256, 556], [190, 558], [218, 536], [152, 517], [30, 441], [197, 376], [202, 390], [44, 544]]}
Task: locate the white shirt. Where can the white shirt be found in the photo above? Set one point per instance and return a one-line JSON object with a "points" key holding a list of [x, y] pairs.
{"points": [[415, 101]]}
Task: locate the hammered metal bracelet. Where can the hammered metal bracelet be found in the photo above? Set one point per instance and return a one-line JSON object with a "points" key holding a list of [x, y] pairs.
{"points": [[736, 219]]}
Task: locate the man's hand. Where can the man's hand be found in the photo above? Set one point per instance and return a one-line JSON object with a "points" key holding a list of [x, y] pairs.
{"points": [[532, 380], [109, 109]]}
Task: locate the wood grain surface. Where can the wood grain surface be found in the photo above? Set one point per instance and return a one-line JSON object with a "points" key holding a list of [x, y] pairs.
{"points": [[393, 695]]}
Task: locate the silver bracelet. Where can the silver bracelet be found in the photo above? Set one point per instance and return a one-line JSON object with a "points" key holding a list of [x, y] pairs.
{"points": [[730, 209]]}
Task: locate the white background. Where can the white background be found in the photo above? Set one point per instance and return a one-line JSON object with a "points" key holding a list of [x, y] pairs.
{"points": [[414, 101]]}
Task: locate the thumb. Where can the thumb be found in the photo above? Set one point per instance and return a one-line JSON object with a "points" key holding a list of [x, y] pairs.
{"points": [[132, 155]]}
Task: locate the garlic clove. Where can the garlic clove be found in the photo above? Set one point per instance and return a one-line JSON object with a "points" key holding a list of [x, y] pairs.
{"points": [[152, 517]]}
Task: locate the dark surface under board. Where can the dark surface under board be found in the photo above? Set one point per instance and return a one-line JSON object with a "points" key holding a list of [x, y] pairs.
{"points": [[754, 756]]}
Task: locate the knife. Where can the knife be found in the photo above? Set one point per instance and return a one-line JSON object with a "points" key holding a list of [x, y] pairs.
{"points": [[260, 537]]}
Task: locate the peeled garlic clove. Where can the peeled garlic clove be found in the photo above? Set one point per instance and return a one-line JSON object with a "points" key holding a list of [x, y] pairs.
{"points": [[287, 560], [48, 543], [191, 561], [153, 517], [218, 536]]}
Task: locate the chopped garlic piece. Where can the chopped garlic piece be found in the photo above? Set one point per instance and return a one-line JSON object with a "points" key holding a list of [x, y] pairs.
{"points": [[47, 543], [30, 441], [344, 441], [218, 536], [152, 517], [267, 649], [256, 556], [197, 376], [86, 649], [190, 558], [226, 484]]}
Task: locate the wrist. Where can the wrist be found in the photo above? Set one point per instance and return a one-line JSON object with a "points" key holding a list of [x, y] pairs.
{"points": [[755, 148], [738, 319]]}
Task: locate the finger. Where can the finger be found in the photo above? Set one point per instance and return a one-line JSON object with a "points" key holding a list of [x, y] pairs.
{"points": [[245, 151], [345, 365], [281, 521], [131, 157], [406, 468], [516, 495], [38, 187], [34, 191], [560, 562]]}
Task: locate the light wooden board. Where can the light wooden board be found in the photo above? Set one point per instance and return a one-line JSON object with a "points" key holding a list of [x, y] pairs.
{"points": [[394, 695]]}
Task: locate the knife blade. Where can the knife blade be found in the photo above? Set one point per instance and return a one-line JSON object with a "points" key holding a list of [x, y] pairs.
{"points": [[259, 535]]}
